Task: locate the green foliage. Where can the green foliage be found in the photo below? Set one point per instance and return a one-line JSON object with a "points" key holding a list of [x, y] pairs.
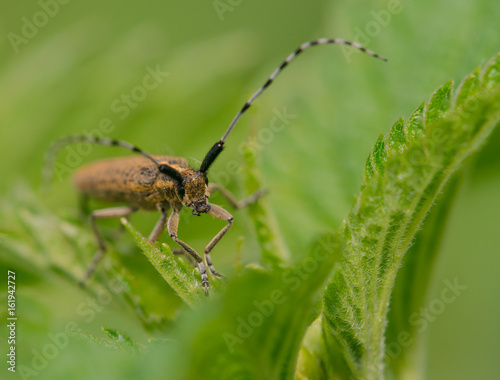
{"points": [[64, 81], [272, 248], [177, 273], [115, 339], [40, 240], [400, 187], [326, 316]]}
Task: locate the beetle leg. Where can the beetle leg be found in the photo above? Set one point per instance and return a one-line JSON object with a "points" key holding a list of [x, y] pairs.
{"points": [[113, 212], [172, 226], [232, 200], [158, 230], [219, 213]]}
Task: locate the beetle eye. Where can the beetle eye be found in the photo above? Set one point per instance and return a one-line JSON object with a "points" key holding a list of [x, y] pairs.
{"points": [[181, 191], [206, 180]]}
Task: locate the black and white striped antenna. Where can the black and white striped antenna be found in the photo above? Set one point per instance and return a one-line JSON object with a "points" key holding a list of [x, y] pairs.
{"points": [[219, 145]]}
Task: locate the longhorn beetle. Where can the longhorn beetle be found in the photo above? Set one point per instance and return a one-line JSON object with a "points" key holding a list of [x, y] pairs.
{"points": [[152, 182]]}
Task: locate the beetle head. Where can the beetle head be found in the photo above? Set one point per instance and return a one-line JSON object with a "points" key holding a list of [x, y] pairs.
{"points": [[191, 187], [193, 191]]}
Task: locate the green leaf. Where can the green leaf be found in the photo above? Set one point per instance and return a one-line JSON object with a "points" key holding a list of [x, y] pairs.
{"points": [[414, 125], [320, 357], [491, 73], [438, 104], [411, 290], [92, 338], [389, 210], [379, 154], [310, 364], [369, 170], [122, 340], [274, 251], [46, 244], [115, 339], [467, 89], [178, 274], [255, 332], [397, 140]]}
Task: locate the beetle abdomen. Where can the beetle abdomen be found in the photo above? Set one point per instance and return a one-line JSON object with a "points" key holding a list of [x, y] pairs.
{"points": [[131, 180]]}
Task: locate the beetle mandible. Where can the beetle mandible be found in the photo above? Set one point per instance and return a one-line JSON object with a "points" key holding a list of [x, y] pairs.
{"points": [[151, 182]]}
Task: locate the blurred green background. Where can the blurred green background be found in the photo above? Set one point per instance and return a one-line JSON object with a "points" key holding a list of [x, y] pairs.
{"points": [[65, 78]]}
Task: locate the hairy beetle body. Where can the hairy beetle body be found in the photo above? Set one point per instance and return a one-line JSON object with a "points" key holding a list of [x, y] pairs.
{"points": [[133, 180]]}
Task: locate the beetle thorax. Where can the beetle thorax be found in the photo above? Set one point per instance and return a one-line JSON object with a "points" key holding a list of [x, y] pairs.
{"points": [[193, 192]]}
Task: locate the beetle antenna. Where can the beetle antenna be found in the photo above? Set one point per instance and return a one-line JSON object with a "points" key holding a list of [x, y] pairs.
{"points": [[219, 145], [290, 58], [50, 157]]}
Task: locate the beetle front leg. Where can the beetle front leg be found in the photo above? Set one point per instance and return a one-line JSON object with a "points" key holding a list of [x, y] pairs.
{"points": [[172, 226], [219, 213]]}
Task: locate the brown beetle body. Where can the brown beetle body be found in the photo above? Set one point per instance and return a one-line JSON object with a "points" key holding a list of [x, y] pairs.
{"points": [[136, 181], [142, 183]]}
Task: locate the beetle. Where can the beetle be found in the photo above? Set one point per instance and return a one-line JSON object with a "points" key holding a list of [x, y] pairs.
{"points": [[152, 182]]}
